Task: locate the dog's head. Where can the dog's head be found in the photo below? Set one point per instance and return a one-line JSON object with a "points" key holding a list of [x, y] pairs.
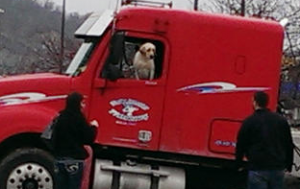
{"points": [[148, 50]]}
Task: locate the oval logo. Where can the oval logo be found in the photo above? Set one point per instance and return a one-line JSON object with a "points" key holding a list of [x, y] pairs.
{"points": [[129, 110]]}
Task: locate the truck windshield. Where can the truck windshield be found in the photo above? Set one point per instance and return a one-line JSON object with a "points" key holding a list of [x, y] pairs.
{"points": [[80, 60]]}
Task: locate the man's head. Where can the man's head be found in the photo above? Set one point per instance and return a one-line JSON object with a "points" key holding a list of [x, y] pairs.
{"points": [[260, 100], [73, 101]]}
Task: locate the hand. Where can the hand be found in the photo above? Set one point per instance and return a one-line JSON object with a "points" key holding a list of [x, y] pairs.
{"points": [[94, 123]]}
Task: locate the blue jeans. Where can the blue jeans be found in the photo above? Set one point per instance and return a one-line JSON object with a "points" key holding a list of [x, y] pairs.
{"points": [[68, 173], [272, 179]]}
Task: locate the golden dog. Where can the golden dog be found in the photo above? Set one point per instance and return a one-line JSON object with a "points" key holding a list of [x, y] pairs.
{"points": [[143, 61]]}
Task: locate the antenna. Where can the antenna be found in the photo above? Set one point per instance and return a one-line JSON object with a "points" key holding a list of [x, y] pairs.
{"points": [[147, 3]]}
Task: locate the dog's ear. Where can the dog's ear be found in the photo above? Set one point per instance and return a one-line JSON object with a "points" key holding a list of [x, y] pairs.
{"points": [[143, 49]]}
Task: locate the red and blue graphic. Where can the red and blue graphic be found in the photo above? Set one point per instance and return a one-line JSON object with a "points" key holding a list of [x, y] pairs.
{"points": [[27, 97], [218, 87]]}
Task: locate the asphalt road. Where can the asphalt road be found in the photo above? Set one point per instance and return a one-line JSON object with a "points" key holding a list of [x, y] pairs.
{"points": [[296, 139], [292, 180]]}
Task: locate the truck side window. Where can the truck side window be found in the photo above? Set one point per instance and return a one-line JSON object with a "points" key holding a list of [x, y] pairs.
{"points": [[122, 67], [79, 62]]}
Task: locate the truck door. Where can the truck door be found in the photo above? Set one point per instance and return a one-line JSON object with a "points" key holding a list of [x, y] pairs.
{"points": [[129, 110]]}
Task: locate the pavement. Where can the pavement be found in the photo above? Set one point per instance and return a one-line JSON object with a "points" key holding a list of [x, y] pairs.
{"points": [[292, 180], [296, 139]]}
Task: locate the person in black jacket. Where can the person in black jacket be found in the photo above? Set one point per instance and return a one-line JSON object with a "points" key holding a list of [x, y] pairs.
{"points": [[71, 133], [265, 139]]}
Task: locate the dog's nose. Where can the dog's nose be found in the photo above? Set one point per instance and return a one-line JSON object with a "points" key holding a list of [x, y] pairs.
{"points": [[151, 56]]}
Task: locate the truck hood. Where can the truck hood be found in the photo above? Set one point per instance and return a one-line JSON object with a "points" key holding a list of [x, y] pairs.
{"points": [[33, 88]]}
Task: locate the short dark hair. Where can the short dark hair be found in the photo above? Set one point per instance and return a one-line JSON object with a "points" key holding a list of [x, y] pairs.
{"points": [[261, 98], [73, 101]]}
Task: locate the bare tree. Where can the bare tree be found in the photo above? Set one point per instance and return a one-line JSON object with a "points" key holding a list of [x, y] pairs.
{"points": [[49, 57], [29, 42], [52, 50]]}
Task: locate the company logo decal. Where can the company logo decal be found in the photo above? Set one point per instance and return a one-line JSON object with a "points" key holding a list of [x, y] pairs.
{"points": [[129, 110], [27, 97], [217, 87]]}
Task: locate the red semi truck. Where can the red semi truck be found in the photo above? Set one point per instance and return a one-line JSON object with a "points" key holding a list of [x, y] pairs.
{"points": [[176, 131]]}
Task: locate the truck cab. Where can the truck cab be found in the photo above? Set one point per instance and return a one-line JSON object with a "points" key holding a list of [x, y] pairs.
{"points": [[182, 123], [204, 80]]}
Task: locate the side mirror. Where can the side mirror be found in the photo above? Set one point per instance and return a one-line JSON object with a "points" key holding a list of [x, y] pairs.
{"points": [[111, 72], [116, 48]]}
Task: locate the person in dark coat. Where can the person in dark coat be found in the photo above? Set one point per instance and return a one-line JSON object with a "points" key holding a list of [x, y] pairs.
{"points": [[265, 139], [72, 132]]}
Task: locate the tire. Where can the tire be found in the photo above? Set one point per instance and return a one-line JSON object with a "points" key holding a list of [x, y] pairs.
{"points": [[27, 168]]}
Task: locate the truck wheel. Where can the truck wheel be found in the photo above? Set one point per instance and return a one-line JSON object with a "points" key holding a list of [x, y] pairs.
{"points": [[27, 168]]}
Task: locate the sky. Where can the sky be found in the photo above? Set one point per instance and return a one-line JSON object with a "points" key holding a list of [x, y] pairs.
{"points": [[86, 6]]}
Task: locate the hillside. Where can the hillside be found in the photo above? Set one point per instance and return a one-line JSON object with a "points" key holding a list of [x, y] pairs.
{"points": [[30, 37]]}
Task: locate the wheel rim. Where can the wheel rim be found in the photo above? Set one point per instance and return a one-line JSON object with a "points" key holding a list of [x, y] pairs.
{"points": [[30, 176]]}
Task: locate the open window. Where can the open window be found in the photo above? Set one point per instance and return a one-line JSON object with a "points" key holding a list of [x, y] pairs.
{"points": [[119, 64]]}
